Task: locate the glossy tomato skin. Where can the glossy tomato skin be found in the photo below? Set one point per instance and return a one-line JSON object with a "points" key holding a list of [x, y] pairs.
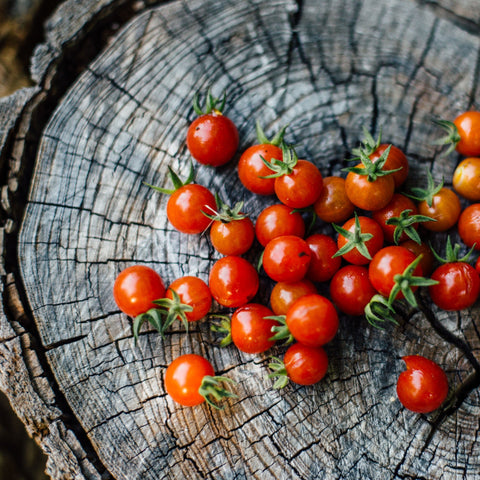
{"points": [[477, 265], [469, 226], [185, 206], [423, 386], [466, 179], [445, 210], [135, 288], [251, 331], [351, 290], [286, 258], [277, 220], [233, 281], [333, 204], [312, 320], [212, 139], [323, 264], [251, 168], [468, 127], [458, 287], [192, 291], [302, 187], [305, 365], [367, 225], [234, 237], [285, 293], [428, 259], [369, 195], [388, 262], [184, 376], [396, 159]]}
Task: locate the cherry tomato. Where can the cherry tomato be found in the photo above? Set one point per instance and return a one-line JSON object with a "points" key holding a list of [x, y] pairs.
{"points": [[457, 288], [233, 281], [286, 258], [428, 259], [251, 168], [277, 220], [234, 237], [351, 290], [468, 128], [396, 159], [466, 179], [423, 387], [251, 331], [192, 291], [388, 262], [285, 293], [305, 365], [322, 264], [369, 195], [477, 265], [333, 204], [445, 210], [135, 288], [469, 226], [312, 320], [185, 207]]}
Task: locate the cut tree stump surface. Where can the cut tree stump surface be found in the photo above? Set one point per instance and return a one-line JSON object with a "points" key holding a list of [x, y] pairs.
{"points": [[109, 111]]}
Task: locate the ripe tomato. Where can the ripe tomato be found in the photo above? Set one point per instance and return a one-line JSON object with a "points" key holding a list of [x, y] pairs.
{"points": [[466, 178], [286, 258], [285, 293], [135, 288], [234, 237], [333, 204], [445, 209], [423, 387], [477, 265], [233, 281], [312, 320], [305, 365], [323, 264], [250, 330], [351, 290], [428, 259], [458, 286], [277, 220], [462, 133], [469, 226], [396, 159]]}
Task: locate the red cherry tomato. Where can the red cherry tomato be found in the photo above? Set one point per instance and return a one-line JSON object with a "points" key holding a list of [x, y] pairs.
{"points": [[184, 376], [234, 237], [251, 331], [468, 127], [333, 204], [193, 291], [322, 264], [428, 259], [312, 320], [423, 387], [351, 290], [469, 226], [305, 365], [212, 139], [277, 220], [396, 159], [466, 179], [135, 288], [458, 287], [233, 281], [286, 258], [285, 293], [185, 206], [477, 265], [445, 210]]}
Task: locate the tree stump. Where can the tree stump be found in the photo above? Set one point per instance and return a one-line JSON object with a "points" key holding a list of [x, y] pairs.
{"points": [[114, 82]]}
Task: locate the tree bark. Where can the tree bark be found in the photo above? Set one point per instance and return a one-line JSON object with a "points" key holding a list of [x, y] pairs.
{"points": [[109, 110]]}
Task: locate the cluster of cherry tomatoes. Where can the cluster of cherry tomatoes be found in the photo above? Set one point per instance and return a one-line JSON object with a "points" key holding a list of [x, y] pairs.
{"points": [[376, 258]]}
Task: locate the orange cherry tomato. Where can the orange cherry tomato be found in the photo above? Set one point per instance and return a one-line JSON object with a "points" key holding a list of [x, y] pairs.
{"points": [[445, 210], [285, 293], [396, 159], [466, 178], [469, 226], [234, 237], [468, 128], [333, 204]]}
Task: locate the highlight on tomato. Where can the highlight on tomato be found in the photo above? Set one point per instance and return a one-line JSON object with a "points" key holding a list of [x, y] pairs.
{"points": [[333, 204], [323, 263], [283, 294], [466, 179], [469, 226]]}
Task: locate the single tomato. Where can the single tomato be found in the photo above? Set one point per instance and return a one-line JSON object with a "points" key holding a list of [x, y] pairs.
{"points": [[466, 179], [284, 294], [323, 263], [469, 226], [396, 160], [333, 204]]}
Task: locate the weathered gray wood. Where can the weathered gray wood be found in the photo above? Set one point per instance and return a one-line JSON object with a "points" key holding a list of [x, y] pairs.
{"points": [[327, 68]]}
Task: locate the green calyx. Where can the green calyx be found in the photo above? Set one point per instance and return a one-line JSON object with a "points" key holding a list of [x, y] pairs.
{"points": [[405, 281], [405, 223], [355, 239], [153, 317], [173, 309], [368, 145], [284, 166], [175, 179], [225, 213], [279, 373], [281, 331], [378, 311], [426, 194], [452, 253], [277, 140], [451, 138], [213, 392], [223, 328], [212, 104]]}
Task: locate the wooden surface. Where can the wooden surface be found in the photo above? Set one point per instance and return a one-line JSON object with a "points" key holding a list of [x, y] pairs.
{"points": [[109, 110]]}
